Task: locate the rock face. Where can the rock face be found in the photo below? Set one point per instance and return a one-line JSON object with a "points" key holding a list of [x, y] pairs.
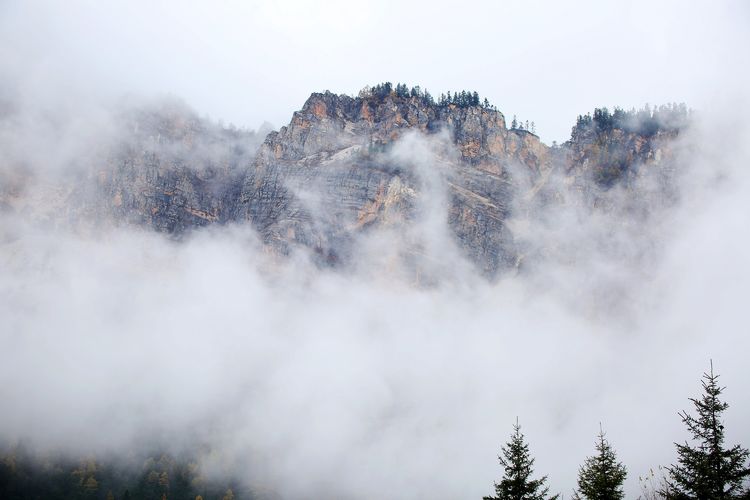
{"points": [[606, 151], [342, 148], [342, 170], [176, 172], [163, 168]]}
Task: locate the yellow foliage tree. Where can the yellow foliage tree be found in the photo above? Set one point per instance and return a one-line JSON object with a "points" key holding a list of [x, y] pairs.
{"points": [[91, 485]]}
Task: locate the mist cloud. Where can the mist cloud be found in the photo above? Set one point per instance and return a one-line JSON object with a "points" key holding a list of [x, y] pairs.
{"points": [[355, 383], [367, 382]]}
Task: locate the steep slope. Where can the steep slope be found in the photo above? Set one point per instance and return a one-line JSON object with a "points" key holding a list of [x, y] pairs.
{"points": [[441, 177], [342, 149], [176, 171], [159, 166]]}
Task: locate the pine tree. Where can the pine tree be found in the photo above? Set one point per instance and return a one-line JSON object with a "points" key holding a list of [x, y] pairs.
{"points": [[90, 487], [514, 123], [708, 470], [601, 476], [516, 483]]}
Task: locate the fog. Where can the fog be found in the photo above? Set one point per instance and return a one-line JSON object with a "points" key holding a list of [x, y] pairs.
{"points": [[362, 382], [357, 383]]}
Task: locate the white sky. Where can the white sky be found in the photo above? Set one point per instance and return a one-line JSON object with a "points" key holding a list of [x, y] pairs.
{"points": [[250, 61]]}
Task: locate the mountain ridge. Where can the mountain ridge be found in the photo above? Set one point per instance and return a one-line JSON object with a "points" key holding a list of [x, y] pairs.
{"points": [[336, 172]]}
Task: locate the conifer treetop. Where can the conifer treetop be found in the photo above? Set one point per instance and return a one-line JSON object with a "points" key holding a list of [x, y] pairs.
{"points": [[518, 469], [708, 470], [601, 476]]}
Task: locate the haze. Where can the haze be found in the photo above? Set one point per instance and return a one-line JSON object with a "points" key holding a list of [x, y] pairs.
{"points": [[357, 384]]}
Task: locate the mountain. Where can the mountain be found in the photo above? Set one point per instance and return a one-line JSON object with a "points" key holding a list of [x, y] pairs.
{"points": [[345, 168], [344, 147], [162, 166]]}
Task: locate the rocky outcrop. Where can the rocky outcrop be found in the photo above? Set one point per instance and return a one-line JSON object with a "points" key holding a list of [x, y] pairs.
{"points": [[165, 168], [330, 174], [345, 168]]}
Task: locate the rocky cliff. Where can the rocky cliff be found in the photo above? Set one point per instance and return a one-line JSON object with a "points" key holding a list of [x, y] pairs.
{"points": [[341, 148], [159, 166], [343, 169]]}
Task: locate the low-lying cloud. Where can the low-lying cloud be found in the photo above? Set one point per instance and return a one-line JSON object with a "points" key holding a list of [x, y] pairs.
{"points": [[356, 384]]}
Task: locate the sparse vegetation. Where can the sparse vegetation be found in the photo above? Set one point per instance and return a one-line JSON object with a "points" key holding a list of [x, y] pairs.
{"points": [[645, 121], [461, 99], [608, 140], [382, 90]]}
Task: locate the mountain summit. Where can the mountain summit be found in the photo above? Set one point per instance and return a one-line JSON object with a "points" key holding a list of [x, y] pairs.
{"points": [[344, 168]]}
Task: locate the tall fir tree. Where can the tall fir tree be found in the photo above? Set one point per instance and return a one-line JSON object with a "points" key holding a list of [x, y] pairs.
{"points": [[601, 476], [517, 464], [708, 470]]}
